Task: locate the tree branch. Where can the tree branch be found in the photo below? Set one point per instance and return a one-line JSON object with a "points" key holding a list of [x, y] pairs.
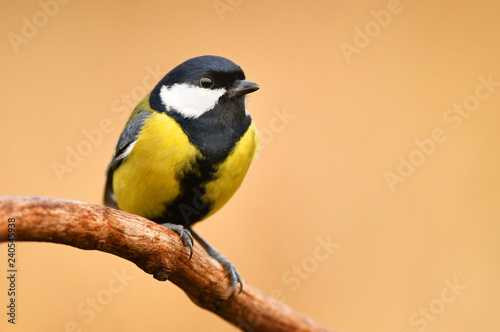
{"points": [[154, 249]]}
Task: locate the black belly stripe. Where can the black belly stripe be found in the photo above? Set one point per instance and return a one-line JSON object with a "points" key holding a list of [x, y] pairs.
{"points": [[189, 207], [215, 134]]}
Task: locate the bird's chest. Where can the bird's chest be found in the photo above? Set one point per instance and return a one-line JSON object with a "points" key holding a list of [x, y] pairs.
{"points": [[208, 186], [231, 172], [167, 178]]}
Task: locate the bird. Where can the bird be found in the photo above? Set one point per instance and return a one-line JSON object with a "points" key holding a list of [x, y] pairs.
{"points": [[185, 150]]}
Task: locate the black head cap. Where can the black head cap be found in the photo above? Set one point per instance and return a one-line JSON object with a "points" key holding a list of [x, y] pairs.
{"points": [[222, 71]]}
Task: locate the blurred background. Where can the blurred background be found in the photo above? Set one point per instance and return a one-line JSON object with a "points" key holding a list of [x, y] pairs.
{"points": [[373, 204]]}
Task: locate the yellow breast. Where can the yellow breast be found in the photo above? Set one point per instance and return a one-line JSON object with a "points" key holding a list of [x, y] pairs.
{"points": [[149, 180], [232, 171]]}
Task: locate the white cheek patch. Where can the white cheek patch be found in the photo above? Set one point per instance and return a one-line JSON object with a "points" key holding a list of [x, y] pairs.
{"points": [[189, 100]]}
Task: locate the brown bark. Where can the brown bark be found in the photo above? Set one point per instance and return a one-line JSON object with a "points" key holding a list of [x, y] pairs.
{"points": [[154, 249]]}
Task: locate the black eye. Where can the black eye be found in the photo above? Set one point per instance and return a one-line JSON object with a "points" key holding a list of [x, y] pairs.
{"points": [[206, 81]]}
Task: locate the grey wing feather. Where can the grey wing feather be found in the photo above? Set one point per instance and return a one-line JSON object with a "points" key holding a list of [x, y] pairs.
{"points": [[123, 148]]}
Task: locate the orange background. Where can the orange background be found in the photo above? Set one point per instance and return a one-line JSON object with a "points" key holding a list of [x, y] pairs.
{"points": [[321, 175]]}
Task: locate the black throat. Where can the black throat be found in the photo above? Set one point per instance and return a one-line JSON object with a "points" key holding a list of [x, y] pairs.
{"points": [[216, 132]]}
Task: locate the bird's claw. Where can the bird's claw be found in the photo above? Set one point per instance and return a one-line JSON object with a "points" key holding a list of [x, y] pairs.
{"points": [[231, 272], [234, 278], [185, 235]]}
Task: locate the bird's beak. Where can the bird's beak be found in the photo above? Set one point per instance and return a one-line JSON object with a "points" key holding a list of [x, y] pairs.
{"points": [[242, 87]]}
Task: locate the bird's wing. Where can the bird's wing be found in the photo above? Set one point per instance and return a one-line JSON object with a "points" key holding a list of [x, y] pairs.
{"points": [[123, 147]]}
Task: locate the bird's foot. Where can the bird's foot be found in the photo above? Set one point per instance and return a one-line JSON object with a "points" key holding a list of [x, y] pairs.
{"points": [[232, 273], [184, 233]]}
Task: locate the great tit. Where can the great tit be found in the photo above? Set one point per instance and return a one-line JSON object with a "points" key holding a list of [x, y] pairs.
{"points": [[186, 149]]}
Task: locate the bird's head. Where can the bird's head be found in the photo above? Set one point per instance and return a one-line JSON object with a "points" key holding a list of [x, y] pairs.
{"points": [[201, 84]]}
